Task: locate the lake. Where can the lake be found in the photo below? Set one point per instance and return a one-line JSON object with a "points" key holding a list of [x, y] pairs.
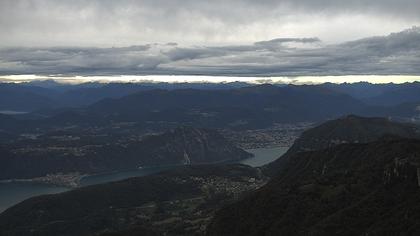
{"points": [[264, 156], [15, 192]]}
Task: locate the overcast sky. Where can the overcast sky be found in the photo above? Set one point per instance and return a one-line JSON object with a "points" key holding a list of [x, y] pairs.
{"points": [[252, 38]]}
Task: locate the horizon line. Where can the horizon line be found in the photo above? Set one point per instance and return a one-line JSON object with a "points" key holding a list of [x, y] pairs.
{"points": [[298, 80]]}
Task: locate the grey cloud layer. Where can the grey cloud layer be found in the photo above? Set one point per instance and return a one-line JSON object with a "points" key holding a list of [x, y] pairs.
{"points": [[398, 53], [128, 22]]}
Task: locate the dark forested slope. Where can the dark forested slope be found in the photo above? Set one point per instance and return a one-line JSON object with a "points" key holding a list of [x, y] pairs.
{"points": [[350, 189], [180, 146]]}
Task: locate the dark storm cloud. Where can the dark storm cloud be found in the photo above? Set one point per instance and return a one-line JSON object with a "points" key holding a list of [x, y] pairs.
{"points": [[397, 53]]}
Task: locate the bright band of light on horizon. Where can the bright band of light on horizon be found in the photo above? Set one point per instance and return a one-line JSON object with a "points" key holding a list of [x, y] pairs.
{"points": [[376, 79]]}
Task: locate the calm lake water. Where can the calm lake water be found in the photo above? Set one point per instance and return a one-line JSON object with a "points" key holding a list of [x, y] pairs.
{"points": [[264, 156], [15, 192]]}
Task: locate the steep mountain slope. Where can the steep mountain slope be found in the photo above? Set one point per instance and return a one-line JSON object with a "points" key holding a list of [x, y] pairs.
{"points": [[182, 146], [352, 129], [177, 202], [350, 189], [348, 129]]}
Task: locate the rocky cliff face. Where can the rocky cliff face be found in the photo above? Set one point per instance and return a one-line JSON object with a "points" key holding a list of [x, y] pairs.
{"points": [[349, 189]]}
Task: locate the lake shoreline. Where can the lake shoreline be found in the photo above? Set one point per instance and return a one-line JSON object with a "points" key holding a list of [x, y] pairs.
{"points": [[68, 180], [13, 191], [74, 179]]}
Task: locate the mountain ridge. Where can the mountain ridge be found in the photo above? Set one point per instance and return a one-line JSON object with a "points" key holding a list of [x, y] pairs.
{"points": [[347, 129]]}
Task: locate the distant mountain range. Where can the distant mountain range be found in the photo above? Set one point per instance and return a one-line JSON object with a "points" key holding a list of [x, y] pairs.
{"points": [[181, 146], [256, 106], [406, 93], [48, 94], [234, 105], [87, 93], [379, 94], [241, 108], [29, 97]]}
